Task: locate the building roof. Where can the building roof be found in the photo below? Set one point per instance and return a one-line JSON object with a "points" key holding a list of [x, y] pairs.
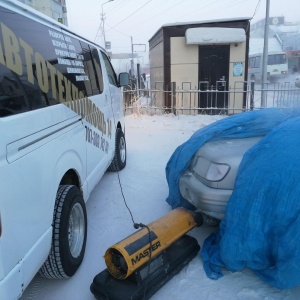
{"points": [[201, 22], [206, 21], [215, 35]]}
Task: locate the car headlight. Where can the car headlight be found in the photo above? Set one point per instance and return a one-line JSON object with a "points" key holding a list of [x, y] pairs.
{"points": [[216, 171], [209, 170]]}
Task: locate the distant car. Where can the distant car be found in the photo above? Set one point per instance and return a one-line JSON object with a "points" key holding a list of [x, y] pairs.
{"points": [[297, 82], [209, 180]]}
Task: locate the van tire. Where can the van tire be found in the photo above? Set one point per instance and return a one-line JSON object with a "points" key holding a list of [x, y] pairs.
{"points": [[69, 234], [119, 161]]}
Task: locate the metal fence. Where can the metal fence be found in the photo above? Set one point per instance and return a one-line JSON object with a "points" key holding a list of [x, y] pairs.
{"points": [[184, 99]]}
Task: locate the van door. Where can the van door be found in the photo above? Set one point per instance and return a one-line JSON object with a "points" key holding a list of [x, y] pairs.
{"points": [[94, 106], [115, 95]]}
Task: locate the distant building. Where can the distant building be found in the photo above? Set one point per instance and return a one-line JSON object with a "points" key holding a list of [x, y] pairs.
{"points": [[282, 34], [55, 9], [203, 55], [257, 45]]}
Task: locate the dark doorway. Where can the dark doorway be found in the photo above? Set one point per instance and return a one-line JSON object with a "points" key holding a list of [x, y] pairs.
{"points": [[213, 77]]}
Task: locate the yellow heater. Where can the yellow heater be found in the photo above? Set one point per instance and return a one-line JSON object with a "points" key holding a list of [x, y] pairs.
{"points": [[123, 258]]}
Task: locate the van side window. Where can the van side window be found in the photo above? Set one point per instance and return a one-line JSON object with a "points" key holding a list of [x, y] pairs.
{"points": [[91, 84], [43, 66], [71, 64], [97, 66], [22, 85], [110, 71]]}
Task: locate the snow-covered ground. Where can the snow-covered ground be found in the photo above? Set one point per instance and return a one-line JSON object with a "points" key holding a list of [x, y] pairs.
{"points": [[150, 142]]}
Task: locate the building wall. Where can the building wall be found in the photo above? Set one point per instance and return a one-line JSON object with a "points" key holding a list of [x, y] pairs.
{"points": [[236, 81], [184, 62], [28, 2], [44, 6], [184, 71], [58, 8], [157, 64], [55, 9], [156, 56]]}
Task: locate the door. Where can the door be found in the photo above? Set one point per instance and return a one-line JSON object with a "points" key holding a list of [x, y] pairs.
{"points": [[213, 77]]}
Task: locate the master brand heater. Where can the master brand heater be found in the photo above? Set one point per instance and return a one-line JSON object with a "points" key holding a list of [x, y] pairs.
{"points": [[144, 261]]}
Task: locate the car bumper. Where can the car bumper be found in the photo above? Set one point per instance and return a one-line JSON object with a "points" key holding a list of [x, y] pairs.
{"points": [[210, 201]]}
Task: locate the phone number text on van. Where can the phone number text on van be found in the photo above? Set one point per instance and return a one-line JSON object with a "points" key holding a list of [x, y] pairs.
{"points": [[96, 140]]}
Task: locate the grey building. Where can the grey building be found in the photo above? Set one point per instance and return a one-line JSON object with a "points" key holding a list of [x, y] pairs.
{"points": [[55, 9]]}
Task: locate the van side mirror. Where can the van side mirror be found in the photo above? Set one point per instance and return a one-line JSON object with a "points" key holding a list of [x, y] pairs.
{"points": [[123, 79]]}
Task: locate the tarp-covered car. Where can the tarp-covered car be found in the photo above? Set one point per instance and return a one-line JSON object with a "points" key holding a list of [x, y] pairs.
{"points": [[209, 180], [261, 226]]}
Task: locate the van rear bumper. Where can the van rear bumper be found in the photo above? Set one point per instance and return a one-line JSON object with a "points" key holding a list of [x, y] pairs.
{"points": [[11, 284], [15, 282]]}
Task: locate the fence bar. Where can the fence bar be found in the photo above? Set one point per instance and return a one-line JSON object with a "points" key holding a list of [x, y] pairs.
{"points": [[210, 99]]}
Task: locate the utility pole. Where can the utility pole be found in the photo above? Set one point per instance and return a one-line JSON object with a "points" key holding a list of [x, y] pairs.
{"points": [[265, 56], [102, 20], [132, 64], [132, 56]]}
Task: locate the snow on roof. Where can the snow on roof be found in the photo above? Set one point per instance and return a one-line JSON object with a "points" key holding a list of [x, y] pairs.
{"points": [[206, 21], [201, 22], [214, 35]]}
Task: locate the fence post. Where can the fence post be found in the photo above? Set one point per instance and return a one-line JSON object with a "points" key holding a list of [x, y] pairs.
{"points": [[252, 95], [138, 77], [173, 97]]}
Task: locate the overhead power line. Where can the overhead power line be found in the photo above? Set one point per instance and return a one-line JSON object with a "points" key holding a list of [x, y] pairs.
{"points": [[117, 7], [256, 9], [130, 15]]}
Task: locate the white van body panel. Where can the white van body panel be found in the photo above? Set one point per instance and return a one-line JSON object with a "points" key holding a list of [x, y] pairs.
{"points": [[58, 117]]}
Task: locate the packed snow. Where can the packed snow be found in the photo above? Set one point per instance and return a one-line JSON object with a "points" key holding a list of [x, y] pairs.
{"points": [[150, 142]]}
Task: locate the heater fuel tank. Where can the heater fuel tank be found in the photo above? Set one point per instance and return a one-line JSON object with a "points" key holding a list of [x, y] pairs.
{"points": [[123, 258]]}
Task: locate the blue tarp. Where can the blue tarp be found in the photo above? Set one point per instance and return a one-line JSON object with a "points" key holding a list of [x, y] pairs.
{"points": [[261, 228]]}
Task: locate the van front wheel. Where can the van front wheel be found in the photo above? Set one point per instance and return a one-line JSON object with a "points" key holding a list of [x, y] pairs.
{"points": [[69, 234], [119, 161]]}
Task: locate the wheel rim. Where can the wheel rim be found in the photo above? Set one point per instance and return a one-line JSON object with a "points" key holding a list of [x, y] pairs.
{"points": [[76, 230], [122, 149]]}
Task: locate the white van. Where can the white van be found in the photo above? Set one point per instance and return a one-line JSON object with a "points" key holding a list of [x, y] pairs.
{"points": [[277, 66], [61, 128]]}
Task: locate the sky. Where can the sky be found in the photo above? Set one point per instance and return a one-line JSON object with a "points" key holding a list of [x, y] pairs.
{"points": [[140, 19], [151, 140]]}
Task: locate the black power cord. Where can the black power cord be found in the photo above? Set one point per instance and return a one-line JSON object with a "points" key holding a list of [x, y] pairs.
{"points": [[137, 226]]}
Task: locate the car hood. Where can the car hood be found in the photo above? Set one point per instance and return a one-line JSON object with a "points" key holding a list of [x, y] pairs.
{"points": [[225, 151]]}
